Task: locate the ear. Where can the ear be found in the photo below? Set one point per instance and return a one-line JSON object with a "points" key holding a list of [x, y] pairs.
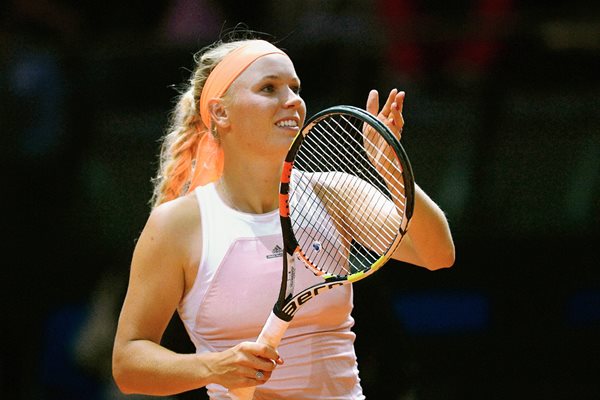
{"points": [[218, 113]]}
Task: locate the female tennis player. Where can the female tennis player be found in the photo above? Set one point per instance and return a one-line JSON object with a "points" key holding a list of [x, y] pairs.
{"points": [[211, 249]]}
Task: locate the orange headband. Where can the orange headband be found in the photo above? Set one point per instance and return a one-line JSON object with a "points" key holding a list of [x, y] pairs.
{"points": [[209, 155], [230, 67]]}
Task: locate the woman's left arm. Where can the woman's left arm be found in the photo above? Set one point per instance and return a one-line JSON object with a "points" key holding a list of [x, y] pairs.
{"points": [[428, 242]]}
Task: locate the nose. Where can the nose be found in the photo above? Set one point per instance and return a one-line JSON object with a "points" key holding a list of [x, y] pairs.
{"points": [[293, 99]]}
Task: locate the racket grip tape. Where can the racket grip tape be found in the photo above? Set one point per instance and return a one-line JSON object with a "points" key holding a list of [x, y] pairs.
{"points": [[273, 331], [271, 335]]}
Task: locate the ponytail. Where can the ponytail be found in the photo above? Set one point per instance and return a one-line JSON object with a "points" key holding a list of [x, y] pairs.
{"points": [[178, 150]]}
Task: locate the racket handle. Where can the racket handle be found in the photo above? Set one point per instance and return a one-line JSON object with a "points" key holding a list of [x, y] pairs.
{"points": [[273, 331], [271, 335]]}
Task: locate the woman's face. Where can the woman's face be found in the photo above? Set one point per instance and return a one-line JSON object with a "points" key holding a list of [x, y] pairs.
{"points": [[264, 108]]}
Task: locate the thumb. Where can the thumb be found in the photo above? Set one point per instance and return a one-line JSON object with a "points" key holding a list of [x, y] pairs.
{"points": [[373, 102]]}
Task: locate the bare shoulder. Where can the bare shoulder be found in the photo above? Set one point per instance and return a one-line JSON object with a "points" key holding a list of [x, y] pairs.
{"points": [[175, 224], [177, 214]]}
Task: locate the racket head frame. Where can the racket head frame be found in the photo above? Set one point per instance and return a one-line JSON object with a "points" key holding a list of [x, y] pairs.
{"points": [[288, 303]]}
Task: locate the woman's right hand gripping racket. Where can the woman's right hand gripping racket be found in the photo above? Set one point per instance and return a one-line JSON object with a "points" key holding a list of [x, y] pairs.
{"points": [[346, 198]]}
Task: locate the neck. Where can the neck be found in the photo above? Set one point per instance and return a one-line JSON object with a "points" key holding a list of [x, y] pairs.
{"points": [[252, 189]]}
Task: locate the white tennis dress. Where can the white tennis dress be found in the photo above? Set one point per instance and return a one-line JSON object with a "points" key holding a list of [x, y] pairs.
{"points": [[235, 289]]}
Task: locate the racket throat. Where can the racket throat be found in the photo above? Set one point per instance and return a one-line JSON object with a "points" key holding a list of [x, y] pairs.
{"points": [[281, 314], [287, 310]]}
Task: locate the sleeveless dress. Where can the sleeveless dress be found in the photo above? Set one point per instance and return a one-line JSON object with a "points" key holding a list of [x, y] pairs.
{"points": [[235, 289]]}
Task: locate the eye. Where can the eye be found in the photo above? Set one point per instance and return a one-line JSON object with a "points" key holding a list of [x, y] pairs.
{"points": [[268, 88], [295, 89]]}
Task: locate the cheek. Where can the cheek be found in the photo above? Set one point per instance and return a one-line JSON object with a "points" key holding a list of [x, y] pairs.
{"points": [[250, 107], [302, 108], [244, 116]]}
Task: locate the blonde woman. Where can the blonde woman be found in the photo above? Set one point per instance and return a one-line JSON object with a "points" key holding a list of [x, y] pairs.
{"points": [[207, 250]]}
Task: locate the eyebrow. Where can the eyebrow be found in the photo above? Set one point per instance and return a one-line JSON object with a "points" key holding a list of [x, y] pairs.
{"points": [[278, 77]]}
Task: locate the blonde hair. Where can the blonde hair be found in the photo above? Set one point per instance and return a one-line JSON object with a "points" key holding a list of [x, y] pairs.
{"points": [[178, 148]]}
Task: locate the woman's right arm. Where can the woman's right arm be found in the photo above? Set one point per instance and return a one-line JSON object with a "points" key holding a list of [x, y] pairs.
{"points": [[156, 285]]}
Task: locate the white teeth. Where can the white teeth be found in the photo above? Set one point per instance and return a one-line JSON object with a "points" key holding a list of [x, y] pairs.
{"points": [[290, 123]]}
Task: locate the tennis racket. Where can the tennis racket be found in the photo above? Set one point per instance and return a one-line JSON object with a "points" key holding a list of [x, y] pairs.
{"points": [[346, 198]]}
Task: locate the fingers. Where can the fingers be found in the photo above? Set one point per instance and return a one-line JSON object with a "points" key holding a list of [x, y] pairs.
{"points": [[255, 357], [259, 376], [393, 104], [261, 362], [254, 376], [262, 353], [391, 112], [246, 364], [387, 107], [395, 115], [400, 101], [373, 102]]}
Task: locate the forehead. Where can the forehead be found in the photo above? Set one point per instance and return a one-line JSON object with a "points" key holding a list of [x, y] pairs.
{"points": [[269, 66]]}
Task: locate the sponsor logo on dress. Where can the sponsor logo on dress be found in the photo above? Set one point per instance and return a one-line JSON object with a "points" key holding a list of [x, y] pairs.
{"points": [[276, 252]]}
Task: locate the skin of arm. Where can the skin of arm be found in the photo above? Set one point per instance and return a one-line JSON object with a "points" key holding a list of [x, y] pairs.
{"points": [[428, 242], [162, 263]]}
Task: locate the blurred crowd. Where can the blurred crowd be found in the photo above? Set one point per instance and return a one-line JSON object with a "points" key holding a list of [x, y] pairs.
{"points": [[85, 92]]}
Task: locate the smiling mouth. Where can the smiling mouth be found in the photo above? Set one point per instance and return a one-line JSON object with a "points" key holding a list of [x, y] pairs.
{"points": [[287, 124]]}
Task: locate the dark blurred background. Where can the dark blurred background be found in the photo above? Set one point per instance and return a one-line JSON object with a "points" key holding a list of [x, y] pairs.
{"points": [[502, 127]]}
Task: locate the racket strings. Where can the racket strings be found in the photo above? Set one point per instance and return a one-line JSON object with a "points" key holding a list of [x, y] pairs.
{"points": [[315, 233], [330, 197], [369, 174], [364, 223], [329, 230], [381, 154], [381, 242], [336, 150], [358, 161], [340, 248]]}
